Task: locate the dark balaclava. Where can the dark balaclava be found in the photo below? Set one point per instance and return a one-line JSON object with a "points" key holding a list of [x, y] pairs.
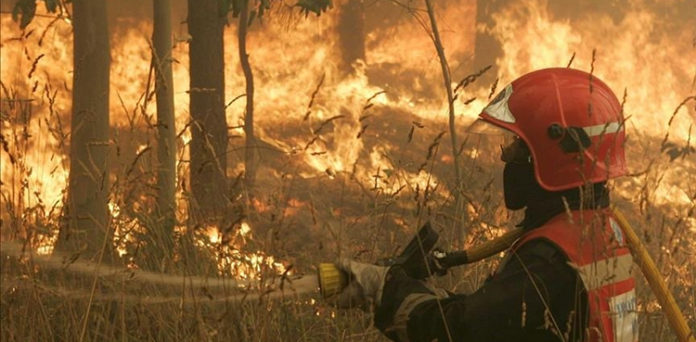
{"points": [[521, 190], [518, 184]]}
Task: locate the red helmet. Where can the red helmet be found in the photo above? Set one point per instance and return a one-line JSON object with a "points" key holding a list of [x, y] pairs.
{"points": [[571, 122]]}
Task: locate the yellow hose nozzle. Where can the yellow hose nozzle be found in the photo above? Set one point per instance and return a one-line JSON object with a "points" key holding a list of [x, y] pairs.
{"points": [[332, 280]]}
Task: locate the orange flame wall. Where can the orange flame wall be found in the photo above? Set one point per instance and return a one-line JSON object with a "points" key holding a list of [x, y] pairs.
{"points": [[644, 47]]}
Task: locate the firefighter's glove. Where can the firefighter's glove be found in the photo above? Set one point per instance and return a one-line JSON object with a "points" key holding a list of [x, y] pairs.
{"points": [[365, 284]]}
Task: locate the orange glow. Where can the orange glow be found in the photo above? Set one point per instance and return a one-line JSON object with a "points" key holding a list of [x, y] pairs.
{"points": [[233, 261], [291, 55]]}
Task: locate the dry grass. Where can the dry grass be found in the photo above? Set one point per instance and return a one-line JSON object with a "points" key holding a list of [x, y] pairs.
{"points": [[302, 222], [297, 219]]}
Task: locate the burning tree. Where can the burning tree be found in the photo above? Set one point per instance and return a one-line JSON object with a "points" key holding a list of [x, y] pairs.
{"points": [[87, 229], [208, 172], [360, 157], [166, 129], [351, 33]]}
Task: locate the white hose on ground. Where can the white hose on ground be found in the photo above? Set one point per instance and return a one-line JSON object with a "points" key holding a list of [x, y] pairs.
{"points": [[247, 289]]}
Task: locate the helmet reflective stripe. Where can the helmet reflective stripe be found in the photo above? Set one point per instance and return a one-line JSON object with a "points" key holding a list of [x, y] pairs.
{"points": [[498, 109], [609, 127], [549, 103]]}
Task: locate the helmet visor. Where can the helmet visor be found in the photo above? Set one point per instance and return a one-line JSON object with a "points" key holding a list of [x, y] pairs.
{"points": [[512, 148], [483, 127]]}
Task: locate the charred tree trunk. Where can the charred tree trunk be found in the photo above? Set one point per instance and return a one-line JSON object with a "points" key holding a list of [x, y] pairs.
{"points": [[207, 90], [166, 128], [88, 229], [351, 33], [250, 148], [487, 48]]}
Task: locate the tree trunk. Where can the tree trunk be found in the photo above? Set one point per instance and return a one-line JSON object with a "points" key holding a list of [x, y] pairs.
{"points": [[351, 33], [487, 48], [166, 128], [209, 128], [87, 229], [250, 148]]}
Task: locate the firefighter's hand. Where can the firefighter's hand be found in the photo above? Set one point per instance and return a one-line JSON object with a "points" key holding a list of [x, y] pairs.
{"points": [[365, 285]]}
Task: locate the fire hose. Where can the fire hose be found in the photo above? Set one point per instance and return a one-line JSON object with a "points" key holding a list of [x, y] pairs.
{"points": [[416, 264], [420, 260], [657, 284]]}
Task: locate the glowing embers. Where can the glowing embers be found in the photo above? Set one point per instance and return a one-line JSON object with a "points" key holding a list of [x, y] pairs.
{"points": [[231, 258], [125, 231]]}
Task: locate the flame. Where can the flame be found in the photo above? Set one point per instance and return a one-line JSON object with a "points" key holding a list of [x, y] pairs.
{"points": [[233, 261], [244, 229], [125, 230], [115, 210], [636, 52]]}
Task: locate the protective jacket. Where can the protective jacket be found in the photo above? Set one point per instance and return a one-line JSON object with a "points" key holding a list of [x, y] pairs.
{"points": [[565, 280], [594, 245]]}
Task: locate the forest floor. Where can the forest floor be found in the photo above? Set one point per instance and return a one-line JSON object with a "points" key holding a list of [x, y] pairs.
{"points": [[401, 177]]}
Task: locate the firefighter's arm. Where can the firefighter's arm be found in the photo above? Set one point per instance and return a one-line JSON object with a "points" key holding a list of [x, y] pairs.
{"points": [[514, 305], [402, 298]]}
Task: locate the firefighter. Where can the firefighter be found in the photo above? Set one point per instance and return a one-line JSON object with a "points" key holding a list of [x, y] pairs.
{"points": [[568, 278]]}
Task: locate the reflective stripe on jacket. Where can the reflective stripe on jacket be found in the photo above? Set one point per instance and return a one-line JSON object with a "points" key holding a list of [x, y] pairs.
{"points": [[595, 247]]}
